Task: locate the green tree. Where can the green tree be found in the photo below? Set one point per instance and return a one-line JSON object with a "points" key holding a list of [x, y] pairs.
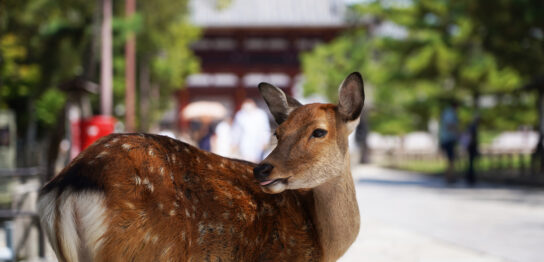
{"points": [[437, 54], [164, 57], [44, 43]]}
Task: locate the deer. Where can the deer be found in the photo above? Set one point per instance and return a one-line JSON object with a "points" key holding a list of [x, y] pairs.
{"points": [[145, 197]]}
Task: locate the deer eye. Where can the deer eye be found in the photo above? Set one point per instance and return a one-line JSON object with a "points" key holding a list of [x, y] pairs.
{"points": [[319, 133]]}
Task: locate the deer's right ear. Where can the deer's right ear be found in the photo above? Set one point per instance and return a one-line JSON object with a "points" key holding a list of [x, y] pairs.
{"points": [[280, 105]]}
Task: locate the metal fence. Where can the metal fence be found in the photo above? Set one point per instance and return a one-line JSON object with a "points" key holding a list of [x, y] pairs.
{"points": [[18, 216]]}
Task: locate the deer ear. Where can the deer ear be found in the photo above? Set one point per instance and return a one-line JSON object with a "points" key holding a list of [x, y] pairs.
{"points": [[280, 105], [351, 98]]}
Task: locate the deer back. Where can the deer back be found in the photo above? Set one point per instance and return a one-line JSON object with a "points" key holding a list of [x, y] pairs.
{"points": [[143, 197]]}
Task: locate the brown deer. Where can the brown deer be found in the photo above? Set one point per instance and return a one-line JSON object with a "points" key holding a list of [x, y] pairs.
{"points": [[142, 197]]}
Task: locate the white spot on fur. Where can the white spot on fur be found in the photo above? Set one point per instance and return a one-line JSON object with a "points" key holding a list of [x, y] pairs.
{"points": [[201, 228], [161, 171], [150, 152], [161, 206], [172, 212], [102, 154], [148, 184], [187, 213], [129, 205], [150, 187], [173, 157], [126, 146], [115, 140], [147, 236], [227, 194], [137, 180]]}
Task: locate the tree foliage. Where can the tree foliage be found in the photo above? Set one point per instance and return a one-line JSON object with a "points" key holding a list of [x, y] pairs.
{"points": [[44, 43], [437, 52]]}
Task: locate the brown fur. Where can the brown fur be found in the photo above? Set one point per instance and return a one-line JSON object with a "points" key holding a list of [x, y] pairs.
{"points": [[213, 209]]}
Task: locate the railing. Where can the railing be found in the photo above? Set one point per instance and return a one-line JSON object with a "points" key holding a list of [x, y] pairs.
{"points": [[521, 167], [9, 215], [510, 166]]}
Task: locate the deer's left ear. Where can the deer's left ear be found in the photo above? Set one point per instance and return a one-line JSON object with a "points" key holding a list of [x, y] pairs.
{"points": [[351, 98]]}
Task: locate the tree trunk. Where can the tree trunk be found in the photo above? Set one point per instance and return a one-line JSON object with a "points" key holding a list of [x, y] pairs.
{"points": [[130, 71], [145, 92], [106, 72], [540, 146]]}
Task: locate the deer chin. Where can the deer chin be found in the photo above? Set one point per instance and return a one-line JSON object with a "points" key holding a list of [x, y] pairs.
{"points": [[275, 186]]}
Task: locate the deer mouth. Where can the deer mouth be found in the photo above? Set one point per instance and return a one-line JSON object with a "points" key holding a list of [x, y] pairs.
{"points": [[273, 182]]}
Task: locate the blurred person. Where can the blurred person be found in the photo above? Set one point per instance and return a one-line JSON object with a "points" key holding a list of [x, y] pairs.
{"points": [[361, 134], [471, 145], [251, 131], [447, 135], [222, 139], [205, 140]]}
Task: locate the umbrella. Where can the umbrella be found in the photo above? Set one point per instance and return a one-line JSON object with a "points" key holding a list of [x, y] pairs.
{"points": [[204, 109]]}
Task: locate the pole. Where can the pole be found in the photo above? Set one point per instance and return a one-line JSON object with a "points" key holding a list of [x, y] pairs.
{"points": [[130, 71], [106, 69], [540, 146]]}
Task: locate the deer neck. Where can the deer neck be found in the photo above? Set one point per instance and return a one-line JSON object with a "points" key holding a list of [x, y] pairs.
{"points": [[336, 214]]}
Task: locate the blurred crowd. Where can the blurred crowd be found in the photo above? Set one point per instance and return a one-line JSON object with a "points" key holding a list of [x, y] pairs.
{"points": [[245, 135]]}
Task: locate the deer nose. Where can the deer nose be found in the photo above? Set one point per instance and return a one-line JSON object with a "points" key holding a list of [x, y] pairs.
{"points": [[262, 171]]}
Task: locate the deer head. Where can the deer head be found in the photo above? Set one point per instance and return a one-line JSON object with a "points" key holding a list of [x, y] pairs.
{"points": [[312, 139]]}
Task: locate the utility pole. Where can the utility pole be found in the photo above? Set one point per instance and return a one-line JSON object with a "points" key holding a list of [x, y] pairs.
{"points": [[106, 69], [130, 71]]}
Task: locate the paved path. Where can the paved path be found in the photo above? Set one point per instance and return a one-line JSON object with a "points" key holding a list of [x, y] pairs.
{"points": [[413, 218], [410, 217]]}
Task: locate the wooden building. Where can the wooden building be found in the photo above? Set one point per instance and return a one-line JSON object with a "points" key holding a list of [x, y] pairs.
{"points": [[251, 41]]}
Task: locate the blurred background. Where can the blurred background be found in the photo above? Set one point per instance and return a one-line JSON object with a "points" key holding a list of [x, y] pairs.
{"points": [[448, 158]]}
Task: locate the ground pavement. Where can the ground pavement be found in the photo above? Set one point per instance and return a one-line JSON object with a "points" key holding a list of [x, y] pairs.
{"points": [[409, 217]]}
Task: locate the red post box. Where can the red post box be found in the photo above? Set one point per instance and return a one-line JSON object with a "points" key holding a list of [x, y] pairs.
{"points": [[96, 127]]}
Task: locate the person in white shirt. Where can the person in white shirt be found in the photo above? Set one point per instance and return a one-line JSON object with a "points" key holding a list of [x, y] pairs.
{"points": [[251, 131]]}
